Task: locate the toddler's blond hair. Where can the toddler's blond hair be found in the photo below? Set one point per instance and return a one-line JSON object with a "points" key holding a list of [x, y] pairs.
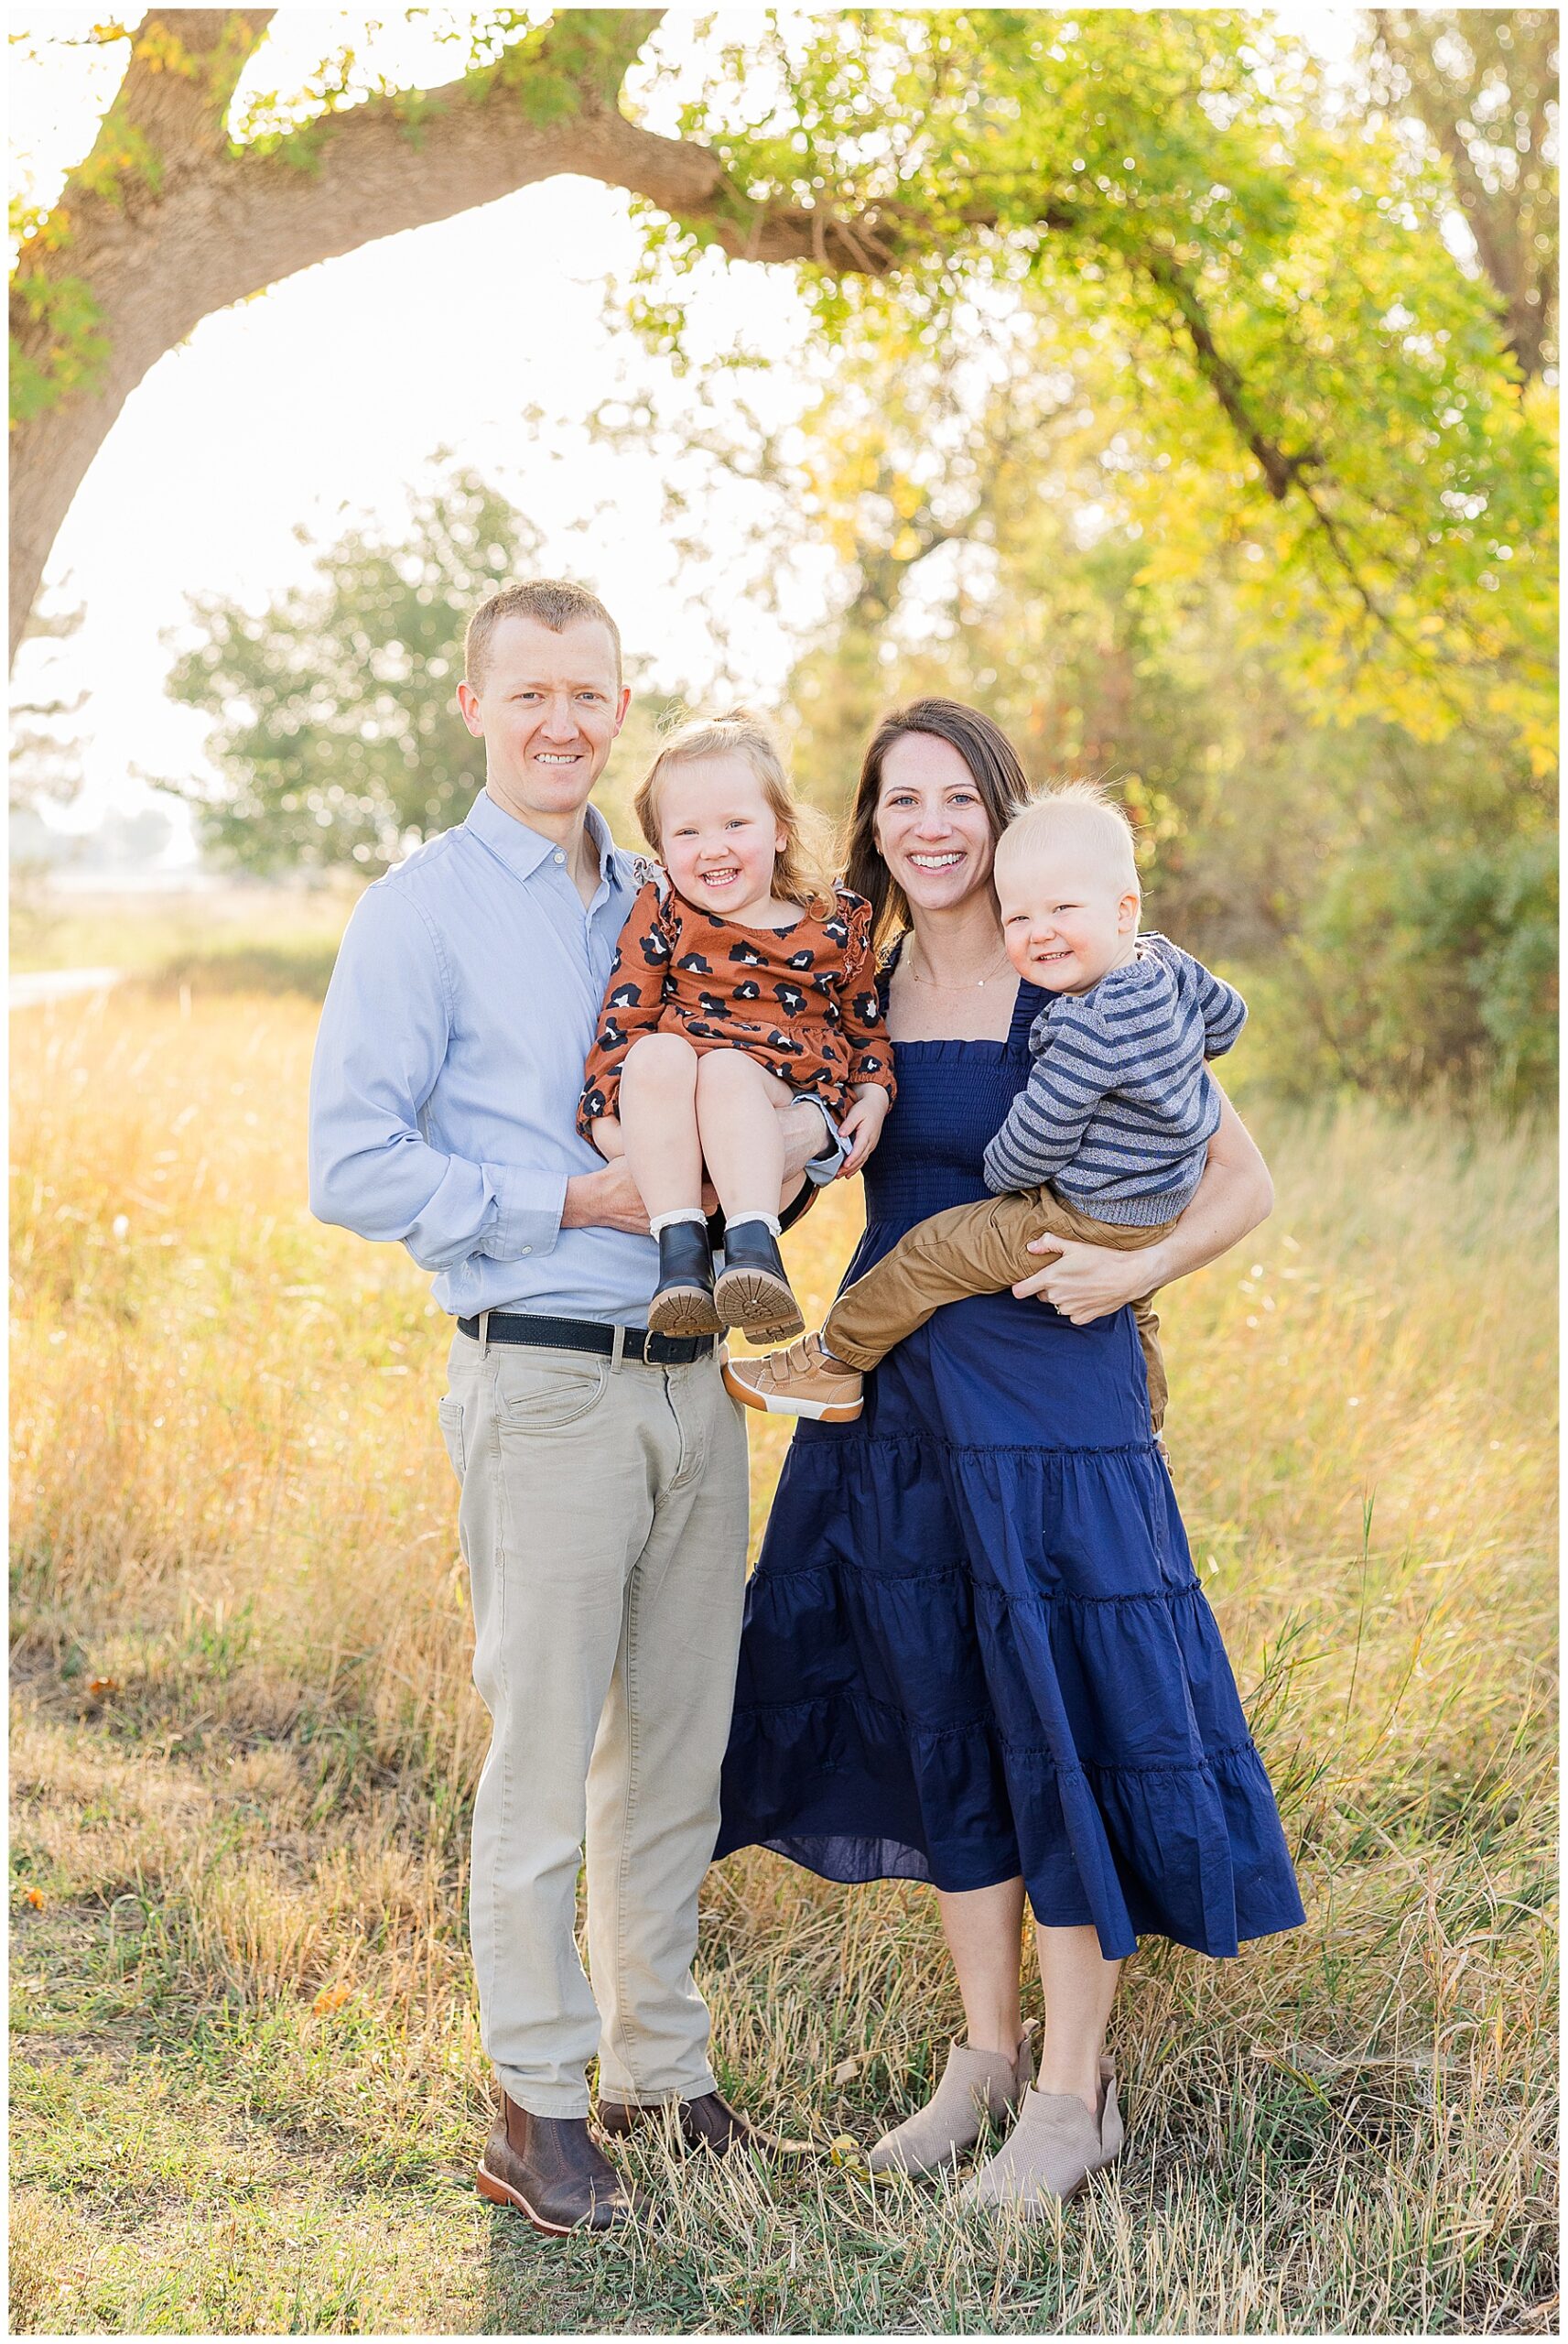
{"points": [[797, 872], [1083, 813]]}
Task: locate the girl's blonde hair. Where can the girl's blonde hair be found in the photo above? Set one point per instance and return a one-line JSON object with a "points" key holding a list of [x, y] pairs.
{"points": [[798, 872]]}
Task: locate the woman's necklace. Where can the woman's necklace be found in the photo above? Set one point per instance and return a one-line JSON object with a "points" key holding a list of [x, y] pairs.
{"points": [[965, 985]]}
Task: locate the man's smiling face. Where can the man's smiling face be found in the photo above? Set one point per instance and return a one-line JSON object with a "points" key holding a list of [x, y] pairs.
{"points": [[548, 707]]}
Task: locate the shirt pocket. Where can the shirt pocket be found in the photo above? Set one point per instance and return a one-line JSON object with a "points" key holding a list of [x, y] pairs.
{"points": [[534, 1396]]}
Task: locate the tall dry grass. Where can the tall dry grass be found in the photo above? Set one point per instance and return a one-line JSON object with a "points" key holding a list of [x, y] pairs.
{"points": [[247, 2073]]}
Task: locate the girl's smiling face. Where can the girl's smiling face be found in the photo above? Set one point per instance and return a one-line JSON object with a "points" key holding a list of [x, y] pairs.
{"points": [[719, 838], [932, 828]]}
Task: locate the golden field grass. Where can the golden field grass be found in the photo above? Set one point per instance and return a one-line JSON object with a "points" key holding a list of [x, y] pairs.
{"points": [[248, 2085]]}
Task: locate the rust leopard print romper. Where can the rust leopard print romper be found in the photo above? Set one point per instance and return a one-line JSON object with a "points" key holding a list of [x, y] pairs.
{"points": [[801, 1001]]}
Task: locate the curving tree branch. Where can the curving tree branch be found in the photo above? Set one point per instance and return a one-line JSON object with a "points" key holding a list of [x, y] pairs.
{"points": [[165, 221]]}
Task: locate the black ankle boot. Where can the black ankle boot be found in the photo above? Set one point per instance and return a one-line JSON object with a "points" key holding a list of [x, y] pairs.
{"points": [[753, 1292], [682, 1300]]}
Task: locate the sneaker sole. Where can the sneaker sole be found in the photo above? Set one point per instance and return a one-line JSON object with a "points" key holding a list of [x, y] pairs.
{"points": [[759, 1305], [683, 1310], [820, 1412]]}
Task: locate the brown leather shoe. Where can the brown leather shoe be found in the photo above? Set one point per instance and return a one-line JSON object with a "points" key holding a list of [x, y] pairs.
{"points": [[708, 2122], [551, 2171]]}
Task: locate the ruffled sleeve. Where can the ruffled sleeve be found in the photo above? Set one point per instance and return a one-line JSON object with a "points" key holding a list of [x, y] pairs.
{"points": [[634, 1002], [864, 1025]]}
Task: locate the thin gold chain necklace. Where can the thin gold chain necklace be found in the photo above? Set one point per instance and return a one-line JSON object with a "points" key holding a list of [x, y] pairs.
{"points": [[967, 984]]}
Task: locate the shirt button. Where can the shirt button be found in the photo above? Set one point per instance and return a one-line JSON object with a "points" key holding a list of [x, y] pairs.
{"points": [[560, 858], [527, 1249]]}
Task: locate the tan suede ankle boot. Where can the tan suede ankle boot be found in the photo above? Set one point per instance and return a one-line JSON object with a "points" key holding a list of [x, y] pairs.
{"points": [[975, 2086], [1052, 2149]]}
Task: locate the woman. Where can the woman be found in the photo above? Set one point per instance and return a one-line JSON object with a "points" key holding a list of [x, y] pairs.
{"points": [[975, 1652]]}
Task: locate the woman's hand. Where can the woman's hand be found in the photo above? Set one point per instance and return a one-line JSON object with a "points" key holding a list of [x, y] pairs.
{"points": [[1087, 1282], [862, 1126]]}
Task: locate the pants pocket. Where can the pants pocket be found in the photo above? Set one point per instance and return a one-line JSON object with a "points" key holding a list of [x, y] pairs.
{"points": [[537, 1396], [450, 1413]]}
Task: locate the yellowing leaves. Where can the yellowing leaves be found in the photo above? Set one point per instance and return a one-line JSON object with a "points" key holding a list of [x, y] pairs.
{"points": [[160, 50]]}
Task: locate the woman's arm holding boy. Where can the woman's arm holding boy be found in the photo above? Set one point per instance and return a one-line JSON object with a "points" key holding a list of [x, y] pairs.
{"points": [[1235, 1194]]}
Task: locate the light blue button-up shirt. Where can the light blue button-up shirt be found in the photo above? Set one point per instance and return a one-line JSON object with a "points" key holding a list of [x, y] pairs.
{"points": [[449, 1064]]}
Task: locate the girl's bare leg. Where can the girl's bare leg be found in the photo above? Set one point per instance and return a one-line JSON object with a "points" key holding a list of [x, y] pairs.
{"points": [[658, 1123], [1080, 1986], [984, 1928], [742, 1140]]}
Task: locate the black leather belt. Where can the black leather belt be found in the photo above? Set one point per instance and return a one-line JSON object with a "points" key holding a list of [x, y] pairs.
{"points": [[588, 1335]]}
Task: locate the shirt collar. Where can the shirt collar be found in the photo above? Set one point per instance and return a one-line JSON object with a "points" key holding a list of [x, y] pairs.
{"points": [[524, 851], [614, 862]]}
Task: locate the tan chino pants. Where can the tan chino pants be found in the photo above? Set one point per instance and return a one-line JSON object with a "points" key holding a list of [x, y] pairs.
{"points": [[978, 1249], [603, 1522]]}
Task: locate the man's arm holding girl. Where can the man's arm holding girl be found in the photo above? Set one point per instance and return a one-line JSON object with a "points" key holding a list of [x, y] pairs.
{"points": [[384, 1031]]}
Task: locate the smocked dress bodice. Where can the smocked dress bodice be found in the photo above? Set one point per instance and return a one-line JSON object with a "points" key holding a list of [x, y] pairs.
{"points": [[931, 1152]]}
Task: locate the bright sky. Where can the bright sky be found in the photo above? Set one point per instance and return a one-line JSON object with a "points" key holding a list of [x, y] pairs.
{"points": [[333, 390]]}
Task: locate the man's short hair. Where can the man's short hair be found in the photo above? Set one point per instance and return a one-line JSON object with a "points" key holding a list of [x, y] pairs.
{"points": [[556, 602]]}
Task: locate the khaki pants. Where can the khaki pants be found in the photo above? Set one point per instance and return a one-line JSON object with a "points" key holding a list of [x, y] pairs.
{"points": [[603, 1523], [978, 1249]]}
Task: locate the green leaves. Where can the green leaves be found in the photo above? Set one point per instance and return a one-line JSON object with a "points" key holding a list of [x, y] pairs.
{"points": [[1228, 489], [123, 158], [76, 352], [337, 733], [1279, 325]]}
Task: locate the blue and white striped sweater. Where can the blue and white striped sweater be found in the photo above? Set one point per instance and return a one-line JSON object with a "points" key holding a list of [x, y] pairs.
{"points": [[1120, 1108]]}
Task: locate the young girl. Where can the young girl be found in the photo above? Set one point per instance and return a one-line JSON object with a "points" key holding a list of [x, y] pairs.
{"points": [[738, 986]]}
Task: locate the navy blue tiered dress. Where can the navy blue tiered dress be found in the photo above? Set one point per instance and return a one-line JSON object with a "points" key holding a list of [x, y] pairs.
{"points": [[975, 1646]]}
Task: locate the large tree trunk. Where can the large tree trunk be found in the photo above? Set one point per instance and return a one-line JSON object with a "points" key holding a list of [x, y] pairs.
{"points": [[203, 226]]}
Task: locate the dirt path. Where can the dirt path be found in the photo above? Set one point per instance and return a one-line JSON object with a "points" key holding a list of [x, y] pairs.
{"points": [[37, 986]]}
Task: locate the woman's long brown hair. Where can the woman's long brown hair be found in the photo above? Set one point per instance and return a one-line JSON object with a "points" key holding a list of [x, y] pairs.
{"points": [[993, 765]]}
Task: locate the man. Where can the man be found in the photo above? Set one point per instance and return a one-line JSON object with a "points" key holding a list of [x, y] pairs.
{"points": [[603, 1469]]}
